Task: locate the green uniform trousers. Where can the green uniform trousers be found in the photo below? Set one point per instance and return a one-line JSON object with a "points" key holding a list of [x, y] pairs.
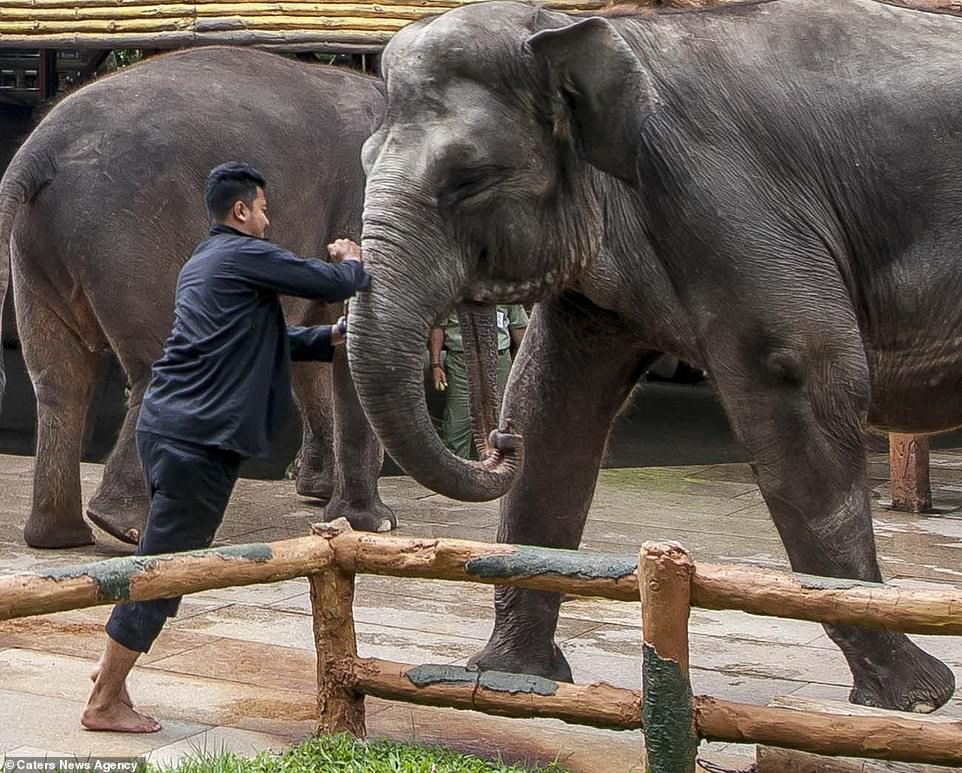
{"points": [[456, 425]]}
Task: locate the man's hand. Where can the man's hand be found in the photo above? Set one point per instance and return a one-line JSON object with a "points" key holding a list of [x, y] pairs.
{"points": [[440, 378], [344, 249], [339, 332]]}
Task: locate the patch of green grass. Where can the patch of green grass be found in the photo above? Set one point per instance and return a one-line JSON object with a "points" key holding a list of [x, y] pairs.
{"points": [[345, 754]]}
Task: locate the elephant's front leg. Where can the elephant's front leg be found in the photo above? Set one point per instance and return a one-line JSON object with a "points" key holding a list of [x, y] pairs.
{"points": [[573, 373], [798, 402]]}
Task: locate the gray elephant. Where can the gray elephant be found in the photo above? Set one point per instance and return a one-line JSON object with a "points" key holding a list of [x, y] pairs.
{"points": [[103, 204], [770, 190]]}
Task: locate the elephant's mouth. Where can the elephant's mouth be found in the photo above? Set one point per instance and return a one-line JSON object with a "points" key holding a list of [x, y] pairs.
{"points": [[493, 291], [524, 291]]}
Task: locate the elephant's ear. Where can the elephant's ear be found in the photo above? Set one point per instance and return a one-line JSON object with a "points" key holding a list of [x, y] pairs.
{"points": [[600, 91]]}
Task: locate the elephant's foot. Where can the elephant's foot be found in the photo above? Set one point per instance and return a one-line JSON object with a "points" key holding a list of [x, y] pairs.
{"points": [[547, 661], [123, 519], [905, 679], [314, 483], [51, 534], [372, 516]]}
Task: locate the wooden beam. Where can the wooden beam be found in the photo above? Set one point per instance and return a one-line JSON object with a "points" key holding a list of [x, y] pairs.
{"points": [[827, 600], [47, 81], [714, 586], [897, 737], [347, 40], [341, 25], [340, 708], [770, 759], [774, 760], [138, 578], [499, 693], [249, 12], [909, 473], [564, 571], [671, 740], [901, 737], [287, 6]]}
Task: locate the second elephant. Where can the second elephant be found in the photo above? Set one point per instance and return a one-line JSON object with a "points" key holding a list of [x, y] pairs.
{"points": [[99, 210]]}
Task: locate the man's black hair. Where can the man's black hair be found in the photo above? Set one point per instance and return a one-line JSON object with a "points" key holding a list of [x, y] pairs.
{"points": [[229, 183]]}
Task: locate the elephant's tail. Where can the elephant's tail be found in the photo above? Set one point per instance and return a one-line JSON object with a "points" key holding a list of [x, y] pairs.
{"points": [[26, 175]]}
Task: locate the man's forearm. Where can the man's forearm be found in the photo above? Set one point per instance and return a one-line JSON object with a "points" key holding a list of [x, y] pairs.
{"points": [[435, 345], [266, 265], [311, 344]]}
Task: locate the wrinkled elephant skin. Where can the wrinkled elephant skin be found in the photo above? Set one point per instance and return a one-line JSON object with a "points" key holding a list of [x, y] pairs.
{"points": [[769, 190], [100, 208]]}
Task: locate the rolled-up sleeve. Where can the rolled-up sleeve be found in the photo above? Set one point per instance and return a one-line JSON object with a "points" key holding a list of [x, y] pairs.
{"points": [[264, 264], [310, 343]]}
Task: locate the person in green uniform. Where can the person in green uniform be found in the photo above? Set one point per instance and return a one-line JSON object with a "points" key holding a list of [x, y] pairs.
{"points": [[450, 376]]}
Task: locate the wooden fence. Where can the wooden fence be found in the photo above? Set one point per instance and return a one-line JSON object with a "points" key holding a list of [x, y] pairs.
{"points": [[673, 719]]}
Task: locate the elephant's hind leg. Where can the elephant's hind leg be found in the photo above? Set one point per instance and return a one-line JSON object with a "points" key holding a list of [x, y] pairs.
{"points": [[572, 376], [119, 506], [60, 350], [798, 403]]}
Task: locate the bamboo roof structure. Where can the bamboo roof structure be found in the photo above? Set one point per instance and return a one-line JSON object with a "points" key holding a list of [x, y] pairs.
{"points": [[332, 25], [289, 25]]}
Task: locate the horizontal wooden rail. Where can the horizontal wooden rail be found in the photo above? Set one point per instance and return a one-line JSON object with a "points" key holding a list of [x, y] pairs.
{"points": [[69, 12], [138, 578], [360, 41], [772, 759], [896, 738], [827, 600], [329, 25], [500, 693], [714, 586], [901, 738], [287, 6], [65, 11], [609, 576], [564, 571]]}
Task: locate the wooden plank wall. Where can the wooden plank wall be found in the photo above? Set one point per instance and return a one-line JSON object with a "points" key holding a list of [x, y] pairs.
{"points": [[349, 25], [332, 25]]}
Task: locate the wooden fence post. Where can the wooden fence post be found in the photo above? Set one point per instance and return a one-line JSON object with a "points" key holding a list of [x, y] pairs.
{"points": [[909, 473], [340, 707], [671, 738]]}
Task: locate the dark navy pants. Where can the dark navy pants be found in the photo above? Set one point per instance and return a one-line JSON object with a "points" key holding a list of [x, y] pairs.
{"points": [[189, 486]]}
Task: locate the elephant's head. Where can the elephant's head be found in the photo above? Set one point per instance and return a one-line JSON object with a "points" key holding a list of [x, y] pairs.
{"points": [[503, 126]]}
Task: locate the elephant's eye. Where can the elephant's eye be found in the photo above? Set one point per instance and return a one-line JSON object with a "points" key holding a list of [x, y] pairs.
{"points": [[468, 183]]}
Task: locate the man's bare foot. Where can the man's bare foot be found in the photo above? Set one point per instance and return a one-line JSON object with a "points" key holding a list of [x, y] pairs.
{"points": [[118, 717], [124, 695]]}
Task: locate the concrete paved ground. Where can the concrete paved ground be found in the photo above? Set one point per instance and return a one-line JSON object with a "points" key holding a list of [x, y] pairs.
{"points": [[236, 668]]}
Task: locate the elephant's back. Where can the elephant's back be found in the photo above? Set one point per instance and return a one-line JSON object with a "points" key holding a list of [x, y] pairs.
{"points": [[192, 107], [128, 157], [196, 83]]}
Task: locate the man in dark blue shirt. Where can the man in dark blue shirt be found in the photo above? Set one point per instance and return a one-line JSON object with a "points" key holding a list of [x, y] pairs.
{"points": [[218, 395]]}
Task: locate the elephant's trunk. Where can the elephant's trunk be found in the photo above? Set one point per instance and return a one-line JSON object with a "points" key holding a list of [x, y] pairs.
{"points": [[389, 328]]}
